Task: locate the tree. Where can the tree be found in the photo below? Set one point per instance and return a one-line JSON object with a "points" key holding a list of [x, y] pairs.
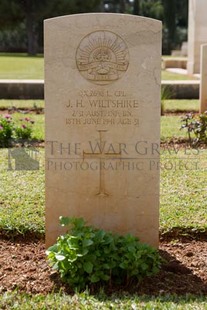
{"points": [[118, 6], [136, 7], [28, 16], [151, 8], [170, 23], [33, 12], [175, 21], [173, 13]]}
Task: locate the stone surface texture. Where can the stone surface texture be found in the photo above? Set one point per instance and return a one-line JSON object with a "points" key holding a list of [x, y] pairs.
{"points": [[102, 91]]}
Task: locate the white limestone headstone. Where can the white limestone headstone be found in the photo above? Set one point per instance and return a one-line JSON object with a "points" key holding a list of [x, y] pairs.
{"points": [[197, 33], [102, 92], [203, 79]]}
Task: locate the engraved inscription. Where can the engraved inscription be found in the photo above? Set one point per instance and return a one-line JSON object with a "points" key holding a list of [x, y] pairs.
{"points": [[102, 57], [102, 156], [102, 107]]}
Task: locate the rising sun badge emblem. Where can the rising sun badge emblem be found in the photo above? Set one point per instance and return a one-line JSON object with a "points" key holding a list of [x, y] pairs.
{"points": [[102, 57]]}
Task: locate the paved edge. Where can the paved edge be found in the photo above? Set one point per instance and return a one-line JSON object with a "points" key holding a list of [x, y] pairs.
{"points": [[34, 89]]}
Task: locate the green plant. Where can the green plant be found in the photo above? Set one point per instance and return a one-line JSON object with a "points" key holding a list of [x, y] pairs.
{"points": [[86, 255], [6, 130], [166, 93], [13, 131], [197, 126], [24, 130]]}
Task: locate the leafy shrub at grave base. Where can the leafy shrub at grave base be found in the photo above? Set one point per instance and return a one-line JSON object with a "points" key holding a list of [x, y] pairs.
{"points": [[9, 131], [196, 127], [86, 255]]}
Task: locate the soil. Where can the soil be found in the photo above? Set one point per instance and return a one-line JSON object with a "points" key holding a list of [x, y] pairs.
{"points": [[23, 266], [22, 110]]}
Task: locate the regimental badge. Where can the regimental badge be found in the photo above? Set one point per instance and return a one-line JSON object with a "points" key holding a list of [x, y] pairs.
{"points": [[102, 57]]}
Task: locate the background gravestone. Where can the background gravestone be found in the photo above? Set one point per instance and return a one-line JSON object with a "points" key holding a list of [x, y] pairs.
{"points": [[197, 33], [203, 80], [102, 91]]}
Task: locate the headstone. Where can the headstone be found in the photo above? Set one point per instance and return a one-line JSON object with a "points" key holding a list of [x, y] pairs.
{"points": [[102, 91], [203, 79], [184, 49], [197, 33]]}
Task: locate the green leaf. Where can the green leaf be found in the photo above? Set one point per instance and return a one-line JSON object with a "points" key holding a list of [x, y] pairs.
{"points": [[53, 248], [131, 248], [87, 242], [78, 223], [84, 252], [106, 266], [72, 260], [144, 266], [88, 267], [105, 277], [59, 257], [100, 234], [94, 278], [123, 265], [64, 221], [55, 266]]}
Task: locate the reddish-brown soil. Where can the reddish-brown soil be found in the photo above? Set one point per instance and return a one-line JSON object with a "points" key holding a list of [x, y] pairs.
{"points": [[23, 266], [22, 110]]}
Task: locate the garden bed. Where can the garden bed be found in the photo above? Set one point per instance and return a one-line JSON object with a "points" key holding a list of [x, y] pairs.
{"points": [[24, 267]]}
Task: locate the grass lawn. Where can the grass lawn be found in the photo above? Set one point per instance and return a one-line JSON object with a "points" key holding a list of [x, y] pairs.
{"points": [[100, 301], [174, 105], [22, 66], [22, 207], [170, 128], [18, 104], [166, 75], [22, 197], [170, 125], [183, 188], [183, 205], [169, 105]]}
